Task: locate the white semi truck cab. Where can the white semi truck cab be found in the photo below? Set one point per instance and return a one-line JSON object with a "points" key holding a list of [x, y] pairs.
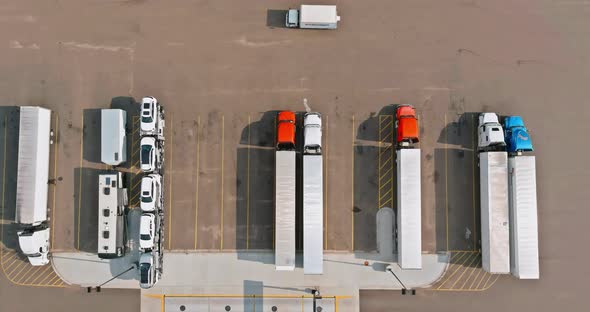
{"points": [[489, 132], [313, 17], [34, 243], [312, 133]]}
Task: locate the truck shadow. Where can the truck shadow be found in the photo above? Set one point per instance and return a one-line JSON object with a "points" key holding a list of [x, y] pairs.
{"points": [[255, 188], [92, 137], [9, 119], [86, 209], [456, 179], [374, 177], [276, 18]]}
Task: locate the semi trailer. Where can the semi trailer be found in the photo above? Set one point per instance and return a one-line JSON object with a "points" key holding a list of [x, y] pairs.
{"points": [[409, 202], [285, 157], [313, 195], [313, 17], [522, 191], [493, 173], [113, 138], [32, 182]]}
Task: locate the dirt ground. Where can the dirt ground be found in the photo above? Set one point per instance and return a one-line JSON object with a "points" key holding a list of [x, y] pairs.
{"points": [[222, 69]]}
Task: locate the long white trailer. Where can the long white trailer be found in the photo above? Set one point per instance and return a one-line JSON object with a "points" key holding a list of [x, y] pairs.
{"points": [[524, 236], [313, 215], [33, 165], [112, 199], [495, 245], [285, 210], [409, 205]]}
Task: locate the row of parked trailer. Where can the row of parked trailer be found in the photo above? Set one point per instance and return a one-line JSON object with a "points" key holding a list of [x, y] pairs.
{"points": [[113, 196], [508, 192], [409, 192]]}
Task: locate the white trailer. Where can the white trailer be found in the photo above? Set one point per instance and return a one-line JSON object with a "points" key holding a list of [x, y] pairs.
{"points": [[285, 210], [495, 245], [524, 237], [313, 215], [409, 205], [33, 165], [113, 140], [112, 198], [313, 17]]}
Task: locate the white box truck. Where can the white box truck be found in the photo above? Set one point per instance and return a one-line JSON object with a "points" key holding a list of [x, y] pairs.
{"points": [[409, 195], [313, 17], [32, 183], [313, 195], [522, 191], [113, 138], [493, 176], [285, 192]]}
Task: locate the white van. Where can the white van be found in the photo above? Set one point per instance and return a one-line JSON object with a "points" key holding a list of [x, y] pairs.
{"points": [[113, 140]]}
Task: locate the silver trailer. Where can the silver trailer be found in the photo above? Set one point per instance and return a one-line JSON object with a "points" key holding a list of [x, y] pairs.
{"points": [[112, 199], [409, 206], [495, 245], [524, 235], [113, 139], [285, 210], [33, 165], [313, 215]]}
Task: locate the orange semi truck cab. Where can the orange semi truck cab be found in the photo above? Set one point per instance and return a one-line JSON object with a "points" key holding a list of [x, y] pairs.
{"points": [[406, 124], [286, 131]]}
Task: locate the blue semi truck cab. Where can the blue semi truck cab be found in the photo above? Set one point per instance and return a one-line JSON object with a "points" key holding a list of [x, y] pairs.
{"points": [[517, 136]]}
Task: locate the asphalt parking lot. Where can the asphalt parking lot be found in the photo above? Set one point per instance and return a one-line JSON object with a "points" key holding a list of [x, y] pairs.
{"points": [[222, 75]]}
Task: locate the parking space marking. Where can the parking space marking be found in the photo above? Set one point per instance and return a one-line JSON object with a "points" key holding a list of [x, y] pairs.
{"points": [[474, 152], [457, 277], [197, 180], [80, 179], [170, 183], [386, 161], [326, 133], [446, 182], [222, 166], [352, 186], [248, 187]]}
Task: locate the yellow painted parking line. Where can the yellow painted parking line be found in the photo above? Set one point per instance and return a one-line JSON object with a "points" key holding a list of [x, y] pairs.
{"points": [[197, 182], [15, 268], [446, 182], [465, 270], [41, 273], [476, 277], [487, 280], [170, 182], [473, 181], [59, 281], [352, 187], [222, 165], [31, 275], [477, 265], [53, 280], [47, 276], [13, 259], [80, 179], [55, 135], [24, 270], [326, 133], [248, 190]]}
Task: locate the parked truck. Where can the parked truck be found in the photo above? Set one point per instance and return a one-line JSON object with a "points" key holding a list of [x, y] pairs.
{"points": [[313, 17], [522, 190], [285, 192], [32, 182], [409, 201], [493, 173], [313, 195], [113, 138]]}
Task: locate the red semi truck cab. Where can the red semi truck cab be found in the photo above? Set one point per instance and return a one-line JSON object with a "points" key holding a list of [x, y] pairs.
{"points": [[286, 131], [407, 125]]}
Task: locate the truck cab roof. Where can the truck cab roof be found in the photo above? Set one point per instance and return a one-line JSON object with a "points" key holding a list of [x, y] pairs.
{"points": [[517, 136], [407, 124], [312, 133], [489, 131], [286, 130]]}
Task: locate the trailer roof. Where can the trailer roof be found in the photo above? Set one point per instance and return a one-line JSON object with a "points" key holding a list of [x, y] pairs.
{"points": [[33, 165], [313, 209], [318, 13]]}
